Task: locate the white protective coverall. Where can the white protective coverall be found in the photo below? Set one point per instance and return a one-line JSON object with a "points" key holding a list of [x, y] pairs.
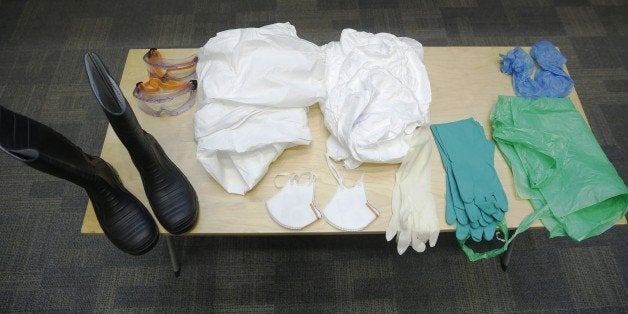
{"points": [[378, 92], [255, 85]]}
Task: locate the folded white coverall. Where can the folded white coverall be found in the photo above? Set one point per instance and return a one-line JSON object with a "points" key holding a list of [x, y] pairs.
{"points": [[255, 85]]}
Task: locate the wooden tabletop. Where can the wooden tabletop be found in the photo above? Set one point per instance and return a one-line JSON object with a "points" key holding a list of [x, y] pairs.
{"points": [[465, 83]]}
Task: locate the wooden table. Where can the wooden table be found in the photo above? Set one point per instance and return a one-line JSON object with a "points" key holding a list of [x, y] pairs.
{"points": [[465, 83]]}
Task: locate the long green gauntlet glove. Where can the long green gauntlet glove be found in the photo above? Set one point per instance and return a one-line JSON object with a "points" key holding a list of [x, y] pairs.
{"points": [[475, 199]]}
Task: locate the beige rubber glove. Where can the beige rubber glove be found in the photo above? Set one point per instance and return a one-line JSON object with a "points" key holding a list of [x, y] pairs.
{"points": [[414, 220]]}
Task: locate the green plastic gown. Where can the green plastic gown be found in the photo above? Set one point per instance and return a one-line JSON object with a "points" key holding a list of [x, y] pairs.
{"points": [[559, 166]]}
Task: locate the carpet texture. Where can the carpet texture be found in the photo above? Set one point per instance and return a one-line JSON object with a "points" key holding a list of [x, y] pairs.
{"points": [[47, 265]]}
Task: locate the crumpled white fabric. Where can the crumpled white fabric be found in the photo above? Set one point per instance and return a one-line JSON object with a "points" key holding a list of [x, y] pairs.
{"points": [[254, 87], [378, 91]]}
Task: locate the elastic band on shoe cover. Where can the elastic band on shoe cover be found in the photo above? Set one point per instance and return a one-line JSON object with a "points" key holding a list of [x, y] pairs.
{"points": [[182, 69], [156, 97]]}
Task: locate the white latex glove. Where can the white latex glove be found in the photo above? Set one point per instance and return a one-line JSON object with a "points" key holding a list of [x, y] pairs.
{"points": [[414, 218], [394, 226]]}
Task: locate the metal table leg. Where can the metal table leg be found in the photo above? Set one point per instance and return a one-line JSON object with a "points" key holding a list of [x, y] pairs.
{"points": [[176, 267], [505, 257]]}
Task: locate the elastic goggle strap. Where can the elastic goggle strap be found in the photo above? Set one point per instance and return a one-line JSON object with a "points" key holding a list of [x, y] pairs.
{"points": [[155, 58]]}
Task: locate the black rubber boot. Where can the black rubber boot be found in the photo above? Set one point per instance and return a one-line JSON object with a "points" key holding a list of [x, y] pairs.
{"points": [[123, 218], [169, 192]]}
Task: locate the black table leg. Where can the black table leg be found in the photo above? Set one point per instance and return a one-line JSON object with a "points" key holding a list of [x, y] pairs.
{"points": [[176, 267], [505, 257]]}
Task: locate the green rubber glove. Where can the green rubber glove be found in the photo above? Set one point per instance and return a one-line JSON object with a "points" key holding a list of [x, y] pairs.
{"points": [[475, 199]]}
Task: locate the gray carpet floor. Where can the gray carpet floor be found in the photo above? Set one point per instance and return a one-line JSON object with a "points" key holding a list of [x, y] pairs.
{"points": [[47, 265]]}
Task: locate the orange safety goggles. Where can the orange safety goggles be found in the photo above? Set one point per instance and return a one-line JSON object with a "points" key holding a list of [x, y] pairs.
{"points": [[182, 69], [157, 97]]}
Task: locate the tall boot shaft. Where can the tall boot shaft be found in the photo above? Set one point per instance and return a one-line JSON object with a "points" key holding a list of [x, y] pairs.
{"points": [[123, 218], [117, 109], [44, 149], [169, 192]]}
